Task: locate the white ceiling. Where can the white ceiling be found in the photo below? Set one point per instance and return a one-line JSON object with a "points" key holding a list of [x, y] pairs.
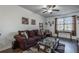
{"points": [[64, 9]]}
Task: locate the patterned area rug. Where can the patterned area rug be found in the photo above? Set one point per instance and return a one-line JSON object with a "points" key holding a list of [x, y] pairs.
{"points": [[33, 50], [61, 49]]}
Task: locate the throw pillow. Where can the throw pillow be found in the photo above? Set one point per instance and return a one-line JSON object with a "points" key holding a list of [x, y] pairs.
{"points": [[26, 35]]}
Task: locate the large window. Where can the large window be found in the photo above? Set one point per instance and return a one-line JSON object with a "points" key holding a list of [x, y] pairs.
{"points": [[65, 24]]}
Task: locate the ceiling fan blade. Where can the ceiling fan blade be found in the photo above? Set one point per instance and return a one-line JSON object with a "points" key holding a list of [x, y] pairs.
{"points": [[55, 10], [44, 8], [44, 11], [54, 6]]}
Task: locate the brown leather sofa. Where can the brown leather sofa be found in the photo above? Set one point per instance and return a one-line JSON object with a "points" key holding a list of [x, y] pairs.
{"points": [[24, 43]]}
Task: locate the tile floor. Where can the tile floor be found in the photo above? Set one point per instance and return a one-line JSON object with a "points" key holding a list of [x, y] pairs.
{"points": [[71, 46]]}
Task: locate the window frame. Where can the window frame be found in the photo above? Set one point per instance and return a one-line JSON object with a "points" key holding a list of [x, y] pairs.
{"points": [[73, 32]]}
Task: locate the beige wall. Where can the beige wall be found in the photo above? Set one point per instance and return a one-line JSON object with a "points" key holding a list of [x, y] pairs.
{"points": [[10, 23]]}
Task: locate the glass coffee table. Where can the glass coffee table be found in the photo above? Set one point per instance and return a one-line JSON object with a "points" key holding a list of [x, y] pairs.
{"points": [[46, 44]]}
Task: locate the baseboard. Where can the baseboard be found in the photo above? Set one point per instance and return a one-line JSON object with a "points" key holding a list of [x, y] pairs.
{"points": [[1, 49]]}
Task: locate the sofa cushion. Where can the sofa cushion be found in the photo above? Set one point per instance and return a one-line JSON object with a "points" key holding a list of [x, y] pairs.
{"points": [[35, 32], [39, 33], [31, 34]]}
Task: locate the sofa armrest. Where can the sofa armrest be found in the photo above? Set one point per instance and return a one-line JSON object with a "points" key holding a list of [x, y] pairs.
{"points": [[19, 37], [21, 41]]}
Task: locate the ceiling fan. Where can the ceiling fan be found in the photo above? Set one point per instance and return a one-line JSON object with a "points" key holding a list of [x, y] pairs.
{"points": [[49, 9]]}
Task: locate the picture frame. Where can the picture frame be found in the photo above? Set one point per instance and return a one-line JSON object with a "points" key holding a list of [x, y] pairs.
{"points": [[49, 22], [52, 22], [25, 20], [33, 22], [46, 23], [41, 26]]}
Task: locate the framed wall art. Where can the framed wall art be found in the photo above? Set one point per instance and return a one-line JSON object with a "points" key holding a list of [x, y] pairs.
{"points": [[25, 20], [33, 22], [52, 22], [41, 26], [46, 23]]}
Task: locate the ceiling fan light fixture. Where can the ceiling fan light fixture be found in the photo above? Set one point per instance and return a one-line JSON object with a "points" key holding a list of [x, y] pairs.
{"points": [[49, 10]]}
